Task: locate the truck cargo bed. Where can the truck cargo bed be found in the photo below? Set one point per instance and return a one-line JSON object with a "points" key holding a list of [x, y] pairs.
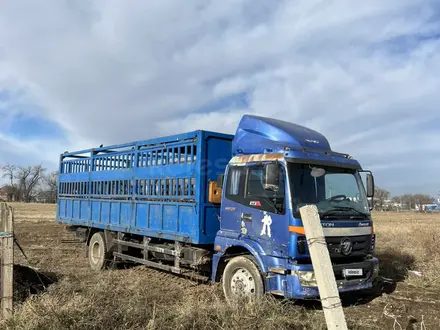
{"points": [[156, 188]]}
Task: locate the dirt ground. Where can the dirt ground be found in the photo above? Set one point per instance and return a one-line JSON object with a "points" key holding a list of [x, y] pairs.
{"points": [[61, 292]]}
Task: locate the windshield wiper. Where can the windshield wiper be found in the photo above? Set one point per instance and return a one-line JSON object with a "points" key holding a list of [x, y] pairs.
{"points": [[342, 208]]}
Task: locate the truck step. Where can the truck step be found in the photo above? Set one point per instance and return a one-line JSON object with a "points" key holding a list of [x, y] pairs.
{"points": [[147, 263], [147, 247]]}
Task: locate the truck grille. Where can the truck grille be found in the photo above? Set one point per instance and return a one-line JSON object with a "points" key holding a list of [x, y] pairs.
{"points": [[361, 246]]}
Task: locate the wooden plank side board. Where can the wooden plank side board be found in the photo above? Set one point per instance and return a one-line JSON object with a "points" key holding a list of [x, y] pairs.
{"points": [[322, 266], [7, 259]]}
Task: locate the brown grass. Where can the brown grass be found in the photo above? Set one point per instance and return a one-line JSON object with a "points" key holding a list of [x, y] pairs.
{"points": [[409, 241], [34, 212], [142, 298]]}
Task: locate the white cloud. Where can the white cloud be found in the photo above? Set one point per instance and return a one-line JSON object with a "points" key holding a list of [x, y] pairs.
{"points": [[22, 153], [111, 72]]}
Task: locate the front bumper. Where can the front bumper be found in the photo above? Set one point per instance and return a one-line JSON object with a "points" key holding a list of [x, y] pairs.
{"points": [[298, 281]]}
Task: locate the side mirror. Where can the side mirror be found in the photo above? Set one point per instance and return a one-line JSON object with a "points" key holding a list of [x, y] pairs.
{"points": [[370, 185], [271, 177], [220, 179]]}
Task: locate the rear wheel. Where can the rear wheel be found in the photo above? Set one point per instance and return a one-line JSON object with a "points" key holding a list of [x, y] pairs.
{"points": [[242, 279], [99, 257]]}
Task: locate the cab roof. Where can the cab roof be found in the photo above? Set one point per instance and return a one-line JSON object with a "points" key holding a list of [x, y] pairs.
{"points": [[257, 135]]}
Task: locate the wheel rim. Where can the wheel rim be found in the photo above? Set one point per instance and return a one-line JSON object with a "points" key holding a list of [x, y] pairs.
{"points": [[242, 283], [95, 252]]}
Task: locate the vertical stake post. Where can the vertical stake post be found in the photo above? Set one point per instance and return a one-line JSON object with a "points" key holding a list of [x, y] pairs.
{"points": [[322, 266], [7, 259]]}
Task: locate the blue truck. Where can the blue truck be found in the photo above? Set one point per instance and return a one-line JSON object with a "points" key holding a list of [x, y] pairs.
{"points": [[224, 208]]}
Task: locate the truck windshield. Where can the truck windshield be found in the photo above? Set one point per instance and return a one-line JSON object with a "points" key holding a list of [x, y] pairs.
{"points": [[337, 192]]}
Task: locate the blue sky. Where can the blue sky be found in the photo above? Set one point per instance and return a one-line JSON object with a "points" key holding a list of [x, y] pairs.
{"points": [[75, 75], [27, 128]]}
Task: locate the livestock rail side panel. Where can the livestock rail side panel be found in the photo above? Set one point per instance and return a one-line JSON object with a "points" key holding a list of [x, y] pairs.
{"points": [[156, 188]]}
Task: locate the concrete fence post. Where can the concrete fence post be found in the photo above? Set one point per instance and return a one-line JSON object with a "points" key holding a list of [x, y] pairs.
{"points": [[322, 266], [7, 259]]}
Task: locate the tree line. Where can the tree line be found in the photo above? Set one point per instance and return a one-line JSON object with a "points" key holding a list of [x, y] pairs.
{"points": [[28, 184], [406, 201]]}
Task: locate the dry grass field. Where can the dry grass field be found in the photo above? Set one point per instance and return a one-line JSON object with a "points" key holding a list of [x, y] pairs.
{"points": [[141, 298]]}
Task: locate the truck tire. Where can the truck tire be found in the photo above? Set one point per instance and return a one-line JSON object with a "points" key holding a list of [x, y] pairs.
{"points": [[99, 257], [242, 279]]}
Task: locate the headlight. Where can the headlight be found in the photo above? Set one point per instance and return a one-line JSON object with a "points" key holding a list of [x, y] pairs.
{"points": [[306, 278], [376, 270], [301, 244]]}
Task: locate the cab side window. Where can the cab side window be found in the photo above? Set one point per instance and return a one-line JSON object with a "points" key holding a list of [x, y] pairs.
{"points": [[235, 184], [260, 198]]}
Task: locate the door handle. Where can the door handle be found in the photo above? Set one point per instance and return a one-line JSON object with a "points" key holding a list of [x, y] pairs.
{"points": [[247, 217]]}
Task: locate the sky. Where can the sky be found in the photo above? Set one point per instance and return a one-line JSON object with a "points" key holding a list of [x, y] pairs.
{"points": [[77, 74]]}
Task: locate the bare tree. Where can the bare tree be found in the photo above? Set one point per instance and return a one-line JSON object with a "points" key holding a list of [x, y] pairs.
{"points": [[380, 195], [9, 172], [421, 199], [51, 181], [413, 200], [408, 200], [28, 180], [10, 193], [397, 199]]}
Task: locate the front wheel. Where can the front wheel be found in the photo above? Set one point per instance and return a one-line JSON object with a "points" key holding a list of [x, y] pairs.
{"points": [[242, 279]]}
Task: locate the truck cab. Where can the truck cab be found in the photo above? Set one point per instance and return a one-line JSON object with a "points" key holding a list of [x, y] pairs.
{"points": [[276, 168]]}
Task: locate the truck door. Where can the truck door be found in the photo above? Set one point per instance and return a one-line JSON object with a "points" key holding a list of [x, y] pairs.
{"points": [[231, 215], [264, 210]]}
